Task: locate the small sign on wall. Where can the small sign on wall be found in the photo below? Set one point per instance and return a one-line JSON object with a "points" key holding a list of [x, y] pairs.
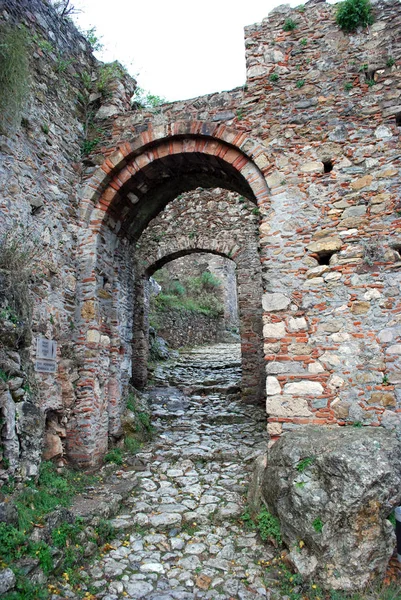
{"points": [[46, 349], [45, 366], [46, 356]]}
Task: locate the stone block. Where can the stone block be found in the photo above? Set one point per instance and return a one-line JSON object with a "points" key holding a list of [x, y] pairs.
{"points": [[273, 386], [303, 388], [382, 399], [287, 407], [362, 182], [328, 244], [274, 302], [297, 324], [394, 349], [359, 307], [340, 408], [274, 330]]}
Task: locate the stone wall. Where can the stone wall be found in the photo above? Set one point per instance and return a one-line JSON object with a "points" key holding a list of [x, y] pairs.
{"points": [[183, 328], [315, 148], [40, 170]]}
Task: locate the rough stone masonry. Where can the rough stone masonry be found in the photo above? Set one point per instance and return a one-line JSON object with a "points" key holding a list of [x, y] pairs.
{"points": [[315, 148]]}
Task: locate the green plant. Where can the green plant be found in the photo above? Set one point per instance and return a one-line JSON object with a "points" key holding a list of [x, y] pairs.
{"points": [[390, 62], [304, 463], [240, 114], [273, 77], [4, 376], [43, 44], [131, 444], [92, 37], [62, 64], [363, 68], [352, 14], [385, 380], [114, 456], [348, 86], [289, 25], [303, 42], [300, 8], [88, 145], [255, 211], [108, 73], [318, 525], [300, 83], [45, 128], [14, 75], [144, 99], [268, 526], [371, 82]]}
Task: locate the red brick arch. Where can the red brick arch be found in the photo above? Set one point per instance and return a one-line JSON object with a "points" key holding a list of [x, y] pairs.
{"points": [[229, 157], [245, 155]]}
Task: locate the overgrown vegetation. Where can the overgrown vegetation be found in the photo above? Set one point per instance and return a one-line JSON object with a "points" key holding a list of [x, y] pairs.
{"points": [[195, 294], [108, 73], [18, 254], [14, 75], [267, 525], [144, 99], [34, 502], [289, 25], [352, 14]]}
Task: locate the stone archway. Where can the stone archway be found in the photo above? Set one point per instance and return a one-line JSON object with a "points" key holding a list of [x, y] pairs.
{"points": [[133, 184], [249, 285]]}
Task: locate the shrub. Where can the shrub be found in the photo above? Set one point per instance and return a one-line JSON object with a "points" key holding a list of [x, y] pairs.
{"points": [[352, 14], [107, 74], [14, 75], [273, 77], [289, 25], [268, 526], [114, 456]]}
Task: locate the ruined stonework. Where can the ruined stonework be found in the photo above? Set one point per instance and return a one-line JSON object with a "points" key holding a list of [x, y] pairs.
{"points": [[314, 148]]}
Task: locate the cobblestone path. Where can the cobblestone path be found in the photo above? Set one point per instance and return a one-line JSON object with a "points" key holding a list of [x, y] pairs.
{"points": [[180, 537]]}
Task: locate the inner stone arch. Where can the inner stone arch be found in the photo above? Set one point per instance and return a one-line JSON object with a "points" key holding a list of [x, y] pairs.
{"points": [[206, 221]]}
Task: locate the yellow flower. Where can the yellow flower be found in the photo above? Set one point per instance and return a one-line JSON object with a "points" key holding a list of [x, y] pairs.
{"points": [[301, 543]]}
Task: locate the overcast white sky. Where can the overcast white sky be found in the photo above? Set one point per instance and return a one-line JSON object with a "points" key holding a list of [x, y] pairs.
{"points": [[178, 49]]}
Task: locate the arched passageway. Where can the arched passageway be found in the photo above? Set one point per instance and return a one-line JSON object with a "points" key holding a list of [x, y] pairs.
{"points": [[131, 187], [249, 286]]}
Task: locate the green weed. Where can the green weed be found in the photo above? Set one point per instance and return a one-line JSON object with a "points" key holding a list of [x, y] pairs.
{"points": [[114, 456], [14, 75], [352, 14], [273, 77], [289, 25], [305, 463], [318, 524]]}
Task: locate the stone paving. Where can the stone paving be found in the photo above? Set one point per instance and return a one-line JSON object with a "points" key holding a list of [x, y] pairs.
{"points": [[180, 537]]}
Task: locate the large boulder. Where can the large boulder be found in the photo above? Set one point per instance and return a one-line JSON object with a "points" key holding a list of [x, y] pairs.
{"points": [[332, 490]]}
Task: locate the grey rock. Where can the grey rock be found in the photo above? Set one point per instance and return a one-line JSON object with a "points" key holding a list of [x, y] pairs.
{"points": [[7, 580], [349, 481]]}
